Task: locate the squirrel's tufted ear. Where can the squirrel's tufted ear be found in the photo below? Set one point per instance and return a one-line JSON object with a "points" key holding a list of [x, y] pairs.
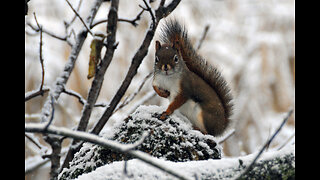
{"points": [[158, 45], [175, 44]]}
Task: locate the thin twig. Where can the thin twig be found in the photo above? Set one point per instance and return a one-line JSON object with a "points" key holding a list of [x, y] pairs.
{"points": [[266, 145], [41, 91], [125, 171], [287, 141], [74, 17], [47, 32], [33, 141], [81, 99], [68, 24], [203, 36], [32, 94], [133, 21], [40, 54], [85, 25], [148, 8]]}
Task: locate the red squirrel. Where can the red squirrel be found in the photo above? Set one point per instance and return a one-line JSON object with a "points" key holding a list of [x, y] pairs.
{"points": [[192, 86]]}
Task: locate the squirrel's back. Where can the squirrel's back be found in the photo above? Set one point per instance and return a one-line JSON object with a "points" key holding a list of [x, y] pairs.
{"points": [[174, 33]]}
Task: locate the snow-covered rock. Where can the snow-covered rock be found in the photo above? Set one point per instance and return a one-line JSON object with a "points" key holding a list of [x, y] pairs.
{"points": [[171, 140]]}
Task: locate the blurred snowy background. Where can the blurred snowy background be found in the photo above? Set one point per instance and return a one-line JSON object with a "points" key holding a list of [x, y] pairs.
{"points": [[251, 41]]}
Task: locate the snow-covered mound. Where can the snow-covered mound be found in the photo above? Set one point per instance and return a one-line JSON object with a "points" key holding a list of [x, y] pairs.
{"points": [[271, 165], [172, 140]]}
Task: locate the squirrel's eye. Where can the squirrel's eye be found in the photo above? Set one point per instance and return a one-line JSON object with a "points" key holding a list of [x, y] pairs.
{"points": [[176, 59], [157, 59]]}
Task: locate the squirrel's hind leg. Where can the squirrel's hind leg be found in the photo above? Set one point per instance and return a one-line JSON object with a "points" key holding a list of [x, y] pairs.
{"points": [[202, 131]]}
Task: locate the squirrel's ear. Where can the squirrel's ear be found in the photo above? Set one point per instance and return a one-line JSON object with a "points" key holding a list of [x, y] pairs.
{"points": [[158, 45], [175, 44]]}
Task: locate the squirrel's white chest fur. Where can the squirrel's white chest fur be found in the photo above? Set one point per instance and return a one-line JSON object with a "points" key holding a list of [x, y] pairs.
{"points": [[190, 109], [170, 83]]}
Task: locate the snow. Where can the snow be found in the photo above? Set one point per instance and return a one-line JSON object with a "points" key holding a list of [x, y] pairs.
{"points": [[139, 170]]}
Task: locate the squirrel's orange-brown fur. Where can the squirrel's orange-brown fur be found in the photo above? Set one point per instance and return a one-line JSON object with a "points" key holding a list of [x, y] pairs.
{"points": [[176, 34], [192, 85]]}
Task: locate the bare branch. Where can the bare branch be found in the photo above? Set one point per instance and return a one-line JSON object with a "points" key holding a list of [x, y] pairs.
{"points": [[77, 14], [40, 55]]}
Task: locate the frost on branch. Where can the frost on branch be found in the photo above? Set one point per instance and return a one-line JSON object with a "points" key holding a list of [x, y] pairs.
{"points": [[172, 140]]}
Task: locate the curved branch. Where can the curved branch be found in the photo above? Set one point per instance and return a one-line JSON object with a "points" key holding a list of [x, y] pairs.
{"points": [[87, 137]]}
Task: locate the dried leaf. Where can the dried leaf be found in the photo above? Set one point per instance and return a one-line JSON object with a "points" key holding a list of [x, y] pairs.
{"points": [[95, 53]]}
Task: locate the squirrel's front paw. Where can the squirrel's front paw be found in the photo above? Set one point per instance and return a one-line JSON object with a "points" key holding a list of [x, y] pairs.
{"points": [[164, 116]]}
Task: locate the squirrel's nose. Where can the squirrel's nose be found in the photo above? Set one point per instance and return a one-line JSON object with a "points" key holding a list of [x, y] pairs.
{"points": [[166, 67]]}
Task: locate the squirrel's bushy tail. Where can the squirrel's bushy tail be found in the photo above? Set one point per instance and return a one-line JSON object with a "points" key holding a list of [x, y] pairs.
{"points": [[175, 33]]}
